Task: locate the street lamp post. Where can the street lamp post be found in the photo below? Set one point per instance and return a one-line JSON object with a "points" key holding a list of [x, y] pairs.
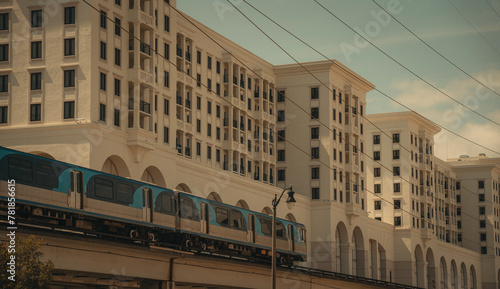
{"points": [[290, 202]]}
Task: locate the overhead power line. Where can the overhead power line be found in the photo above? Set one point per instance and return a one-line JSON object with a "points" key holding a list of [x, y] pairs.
{"points": [[409, 70]]}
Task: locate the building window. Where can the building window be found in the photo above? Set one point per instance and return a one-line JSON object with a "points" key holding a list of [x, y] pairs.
{"points": [[117, 117], [36, 49], [281, 115], [69, 109], [166, 79], [376, 139], [376, 172], [165, 134], [4, 83], [315, 153], [209, 84], [117, 87], [102, 112], [314, 132], [376, 155], [209, 62], [69, 46], [281, 135], [281, 175], [377, 188], [4, 21], [209, 129], [36, 81], [118, 26], [217, 155], [378, 205], [4, 110], [102, 81], [167, 23], [397, 221], [482, 223], [459, 198], [198, 125], [217, 66], [482, 210], [395, 154], [482, 237], [103, 19], [217, 111], [315, 193], [397, 204], [69, 15], [397, 187], [209, 152], [166, 106], [396, 171], [166, 51], [118, 57], [281, 155], [314, 92], [4, 52], [481, 197], [484, 250], [198, 102], [281, 96], [198, 57], [217, 133], [36, 18], [314, 113], [209, 107], [459, 224], [118, 2], [103, 50], [480, 184], [198, 148], [395, 137], [315, 173], [36, 112]]}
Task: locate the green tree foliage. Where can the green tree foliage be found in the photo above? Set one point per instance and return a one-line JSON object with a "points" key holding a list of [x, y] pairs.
{"points": [[30, 272]]}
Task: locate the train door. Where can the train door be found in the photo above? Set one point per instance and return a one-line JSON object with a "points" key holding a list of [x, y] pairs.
{"points": [[251, 229], [204, 218], [76, 196], [147, 205], [291, 237]]}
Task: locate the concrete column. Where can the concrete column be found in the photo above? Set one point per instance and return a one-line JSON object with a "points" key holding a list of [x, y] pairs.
{"points": [[346, 258], [137, 44]]}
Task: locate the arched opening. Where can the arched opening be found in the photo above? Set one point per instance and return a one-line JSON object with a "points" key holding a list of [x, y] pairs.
{"points": [[242, 204], [419, 266], [341, 249], [184, 188], [153, 175], [358, 253], [431, 269], [454, 275], [43, 155], [463, 276], [115, 165], [213, 196], [473, 280], [290, 217], [267, 211], [443, 274], [383, 263]]}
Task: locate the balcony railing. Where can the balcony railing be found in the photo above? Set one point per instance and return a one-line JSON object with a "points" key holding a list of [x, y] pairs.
{"points": [[226, 78], [235, 80], [242, 170], [188, 103], [188, 56], [187, 151], [264, 135], [256, 176], [264, 177], [225, 166], [226, 122], [145, 107], [179, 100], [264, 95], [179, 52], [235, 123], [145, 48], [256, 94], [235, 167]]}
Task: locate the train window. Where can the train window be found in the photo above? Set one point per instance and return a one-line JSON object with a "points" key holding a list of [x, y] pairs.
{"points": [[164, 203], [124, 193], [237, 220], [20, 170], [266, 225], [280, 230], [302, 234], [222, 217], [45, 176], [103, 188], [188, 209]]}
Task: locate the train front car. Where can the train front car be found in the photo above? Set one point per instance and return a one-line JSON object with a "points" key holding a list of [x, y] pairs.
{"points": [[39, 183]]}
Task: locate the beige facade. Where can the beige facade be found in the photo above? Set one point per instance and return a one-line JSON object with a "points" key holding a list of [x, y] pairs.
{"points": [[178, 110]]}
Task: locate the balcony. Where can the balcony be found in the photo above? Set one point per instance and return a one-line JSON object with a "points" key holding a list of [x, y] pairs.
{"points": [[235, 80], [143, 47], [242, 126], [225, 166], [187, 151], [271, 179], [264, 95], [271, 96], [256, 176], [235, 123], [264, 177], [242, 83], [242, 170], [256, 135], [143, 106], [179, 100], [226, 122], [256, 94], [235, 167], [179, 52], [188, 103], [188, 56], [226, 78], [271, 137]]}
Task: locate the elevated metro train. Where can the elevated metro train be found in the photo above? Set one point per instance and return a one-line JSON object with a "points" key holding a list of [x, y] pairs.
{"points": [[58, 194]]}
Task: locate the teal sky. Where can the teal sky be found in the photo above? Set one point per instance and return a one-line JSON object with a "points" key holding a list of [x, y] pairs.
{"points": [[436, 22]]}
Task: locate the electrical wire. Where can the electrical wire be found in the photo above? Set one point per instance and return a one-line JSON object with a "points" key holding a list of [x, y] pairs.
{"points": [[409, 70], [271, 131]]}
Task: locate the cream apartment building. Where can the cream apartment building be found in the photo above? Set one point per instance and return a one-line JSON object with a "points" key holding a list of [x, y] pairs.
{"points": [[167, 105]]}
